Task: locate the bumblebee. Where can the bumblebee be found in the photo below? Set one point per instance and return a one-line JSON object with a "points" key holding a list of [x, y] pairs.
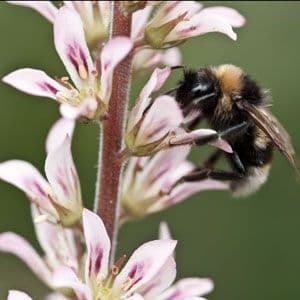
{"points": [[236, 107]]}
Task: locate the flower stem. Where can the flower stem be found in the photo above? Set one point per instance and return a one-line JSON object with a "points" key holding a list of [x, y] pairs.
{"points": [[110, 168]]}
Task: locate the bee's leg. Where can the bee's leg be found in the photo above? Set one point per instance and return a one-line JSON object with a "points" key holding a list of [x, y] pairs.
{"points": [[210, 162], [236, 163], [233, 131], [202, 174]]}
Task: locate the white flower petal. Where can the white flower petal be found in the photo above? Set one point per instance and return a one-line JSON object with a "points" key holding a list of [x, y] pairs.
{"points": [[33, 82], [16, 245], [45, 8], [98, 246], [188, 288], [112, 54], [65, 277], [139, 20], [58, 132], [57, 242], [144, 264], [157, 79], [171, 57], [86, 109], [56, 296], [71, 46], [62, 175]]}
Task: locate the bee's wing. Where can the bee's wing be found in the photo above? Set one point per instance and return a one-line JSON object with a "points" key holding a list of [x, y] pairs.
{"points": [[271, 126]]}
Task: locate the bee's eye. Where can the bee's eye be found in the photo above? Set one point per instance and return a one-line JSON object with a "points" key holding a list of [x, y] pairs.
{"points": [[202, 87]]}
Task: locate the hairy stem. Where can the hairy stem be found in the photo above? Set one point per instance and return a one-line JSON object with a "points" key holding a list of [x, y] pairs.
{"points": [[110, 168]]}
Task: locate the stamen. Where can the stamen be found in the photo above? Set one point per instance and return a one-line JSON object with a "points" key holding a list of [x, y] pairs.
{"points": [[117, 265], [82, 72], [127, 284]]}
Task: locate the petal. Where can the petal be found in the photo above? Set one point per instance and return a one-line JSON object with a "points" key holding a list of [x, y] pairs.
{"points": [[200, 24], [16, 245], [58, 132], [17, 295], [157, 123], [144, 264], [172, 57], [86, 109], [162, 167], [56, 242], [71, 46], [33, 82], [185, 190], [136, 297], [112, 54], [164, 231], [190, 137], [27, 178], [98, 246], [157, 79], [56, 296], [65, 277], [230, 15], [161, 281], [139, 20], [45, 8], [63, 178], [188, 288]]}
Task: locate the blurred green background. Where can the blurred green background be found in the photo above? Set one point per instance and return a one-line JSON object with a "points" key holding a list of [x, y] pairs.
{"points": [[250, 247]]}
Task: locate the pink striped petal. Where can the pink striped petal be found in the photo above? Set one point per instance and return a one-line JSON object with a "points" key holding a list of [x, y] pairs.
{"points": [[71, 46], [157, 122], [144, 264], [45, 8], [62, 175], [65, 277], [112, 54], [189, 137], [34, 82], [28, 179], [188, 288], [161, 281], [98, 246], [200, 24], [16, 245], [157, 79], [229, 15], [58, 132]]}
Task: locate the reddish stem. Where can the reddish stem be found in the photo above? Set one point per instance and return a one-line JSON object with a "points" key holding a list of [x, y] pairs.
{"points": [[110, 169]]}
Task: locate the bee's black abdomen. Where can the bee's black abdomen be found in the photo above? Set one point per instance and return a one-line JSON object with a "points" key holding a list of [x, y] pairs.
{"points": [[251, 91]]}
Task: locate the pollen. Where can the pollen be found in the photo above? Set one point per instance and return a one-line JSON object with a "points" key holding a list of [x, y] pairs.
{"points": [[82, 72]]}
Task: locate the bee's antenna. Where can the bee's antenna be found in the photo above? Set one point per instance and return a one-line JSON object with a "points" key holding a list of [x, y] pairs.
{"points": [[171, 91], [178, 67]]}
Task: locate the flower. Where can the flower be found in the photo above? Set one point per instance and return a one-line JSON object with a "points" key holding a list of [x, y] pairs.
{"points": [[17, 295], [156, 125], [60, 198], [95, 16], [150, 268], [149, 182], [93, 81], [57, 243], [176, 21]]}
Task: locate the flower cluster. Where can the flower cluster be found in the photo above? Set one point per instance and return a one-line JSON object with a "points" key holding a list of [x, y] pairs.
{"points": [[78, 261]]}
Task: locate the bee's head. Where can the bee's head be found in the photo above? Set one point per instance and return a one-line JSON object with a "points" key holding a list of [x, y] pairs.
{"points": [[198, 90]]}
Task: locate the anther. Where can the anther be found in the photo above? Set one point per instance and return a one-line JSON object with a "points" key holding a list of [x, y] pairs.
{"points": [[82, 72]]}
